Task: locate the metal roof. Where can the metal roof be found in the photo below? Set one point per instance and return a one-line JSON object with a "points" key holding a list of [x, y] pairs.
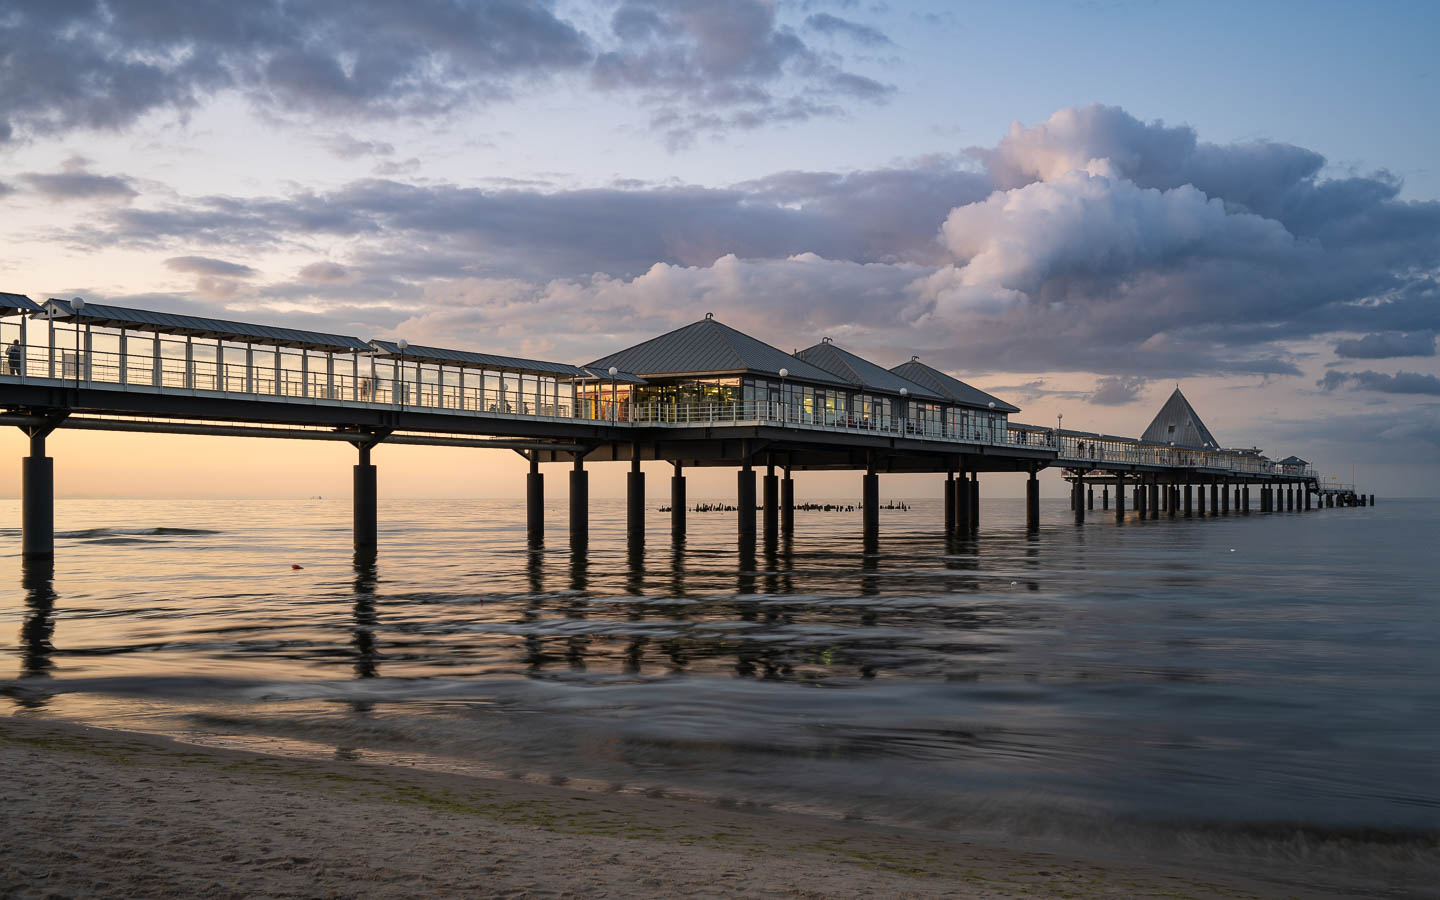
{"points": [[10, 304], [707, 347], [862, 372], [956, 390], [1293, 461], [470, 360], [1177, 423], [198, 326]]}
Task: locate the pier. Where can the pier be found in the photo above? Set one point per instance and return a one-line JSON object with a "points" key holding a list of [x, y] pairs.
{"points": [[702, 395]]}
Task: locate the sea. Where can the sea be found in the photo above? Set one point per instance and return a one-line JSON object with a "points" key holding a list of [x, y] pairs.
{"points": [[1250, 693]]}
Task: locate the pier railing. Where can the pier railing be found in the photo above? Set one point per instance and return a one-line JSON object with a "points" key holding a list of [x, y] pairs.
{"points": [[366, 381]]}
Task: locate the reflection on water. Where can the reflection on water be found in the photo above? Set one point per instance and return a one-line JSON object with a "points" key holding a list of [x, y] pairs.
{"points": [[1225, 669]]}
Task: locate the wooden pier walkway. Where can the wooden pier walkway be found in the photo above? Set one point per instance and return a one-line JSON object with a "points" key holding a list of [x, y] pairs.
{"points": [[703, 395]]}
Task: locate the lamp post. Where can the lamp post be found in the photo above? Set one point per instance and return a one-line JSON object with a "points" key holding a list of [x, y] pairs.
{"points": [[784, 374], [77, 304], [401, 391], [905, 422], [614, 396], [1059, 418]]}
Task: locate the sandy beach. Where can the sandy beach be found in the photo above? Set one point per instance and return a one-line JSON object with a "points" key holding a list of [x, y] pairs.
{"points": [[89, 812]]}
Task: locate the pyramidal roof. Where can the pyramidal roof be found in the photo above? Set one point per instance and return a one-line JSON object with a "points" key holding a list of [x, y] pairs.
{"points": [[707, 347], [1178, 424], [948, 386], [861, 372]]}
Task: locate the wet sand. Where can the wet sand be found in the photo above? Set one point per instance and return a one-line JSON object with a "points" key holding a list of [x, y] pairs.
{"points": [[87, 812]]}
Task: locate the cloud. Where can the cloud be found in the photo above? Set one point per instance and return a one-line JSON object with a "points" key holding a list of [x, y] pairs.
{"points": [[1387, 345], [79, 185], [707, 67], [204, 265], [702, 66], [1115, 390], [1399, 383], [835, 26], [347, 146], [324, 271]]}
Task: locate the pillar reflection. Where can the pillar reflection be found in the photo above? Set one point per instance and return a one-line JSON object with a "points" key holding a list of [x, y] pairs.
{"points": [[37, 580]]}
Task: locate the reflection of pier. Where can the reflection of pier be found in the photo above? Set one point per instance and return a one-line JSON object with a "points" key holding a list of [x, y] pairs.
{"points": [[702, 395]]}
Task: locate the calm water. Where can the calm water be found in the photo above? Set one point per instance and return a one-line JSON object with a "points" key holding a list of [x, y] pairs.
{"points": [[1257, 685]]}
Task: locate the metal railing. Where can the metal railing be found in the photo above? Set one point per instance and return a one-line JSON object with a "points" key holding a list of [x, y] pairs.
{"points": [[291, 376]]}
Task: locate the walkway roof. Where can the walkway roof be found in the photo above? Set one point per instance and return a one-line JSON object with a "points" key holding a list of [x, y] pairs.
{"points": [[108, 316], [10, 304], [861, 372], [956, 390], [707, 347], [466, 359], [1177, 423]]}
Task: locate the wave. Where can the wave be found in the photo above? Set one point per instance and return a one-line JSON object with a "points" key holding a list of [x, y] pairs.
{"points": [[91, 533]]}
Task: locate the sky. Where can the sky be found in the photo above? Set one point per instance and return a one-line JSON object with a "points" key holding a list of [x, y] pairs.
{"points": [[1073, 205]]}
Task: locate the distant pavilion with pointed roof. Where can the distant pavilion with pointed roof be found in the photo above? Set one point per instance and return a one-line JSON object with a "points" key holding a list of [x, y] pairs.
{"points": [[1177, 424]]}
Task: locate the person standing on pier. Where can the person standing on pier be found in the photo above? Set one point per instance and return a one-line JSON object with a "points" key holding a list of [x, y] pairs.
{"points": [[12, 355]]}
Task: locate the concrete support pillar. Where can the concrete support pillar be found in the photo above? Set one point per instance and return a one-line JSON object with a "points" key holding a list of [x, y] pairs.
{"points": [[771, 494], [1372, 499], [579, 505], [635, 503], [1090, 496], [1330, 500], [1290, 498], [1078, 492], [1200, 500], [677, 505], [870, 502], [1032, 501], [1306, 491], [963, 520], [535, 502], [1155, 499], [1215, 491], [1225, 498], [1245, 499], [1188, 511], [1142, 499], [1119, 498], [1105, 496], [1237, 498], [745, 501], [974, 500], [949, 497], [787, 503], [37, 504]]}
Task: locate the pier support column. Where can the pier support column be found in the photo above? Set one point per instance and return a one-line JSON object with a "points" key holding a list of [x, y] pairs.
{"points": [[949, 498], [1306, 491], [1142, 497], [787, 504], [771, 493], [870, 503], [1188, 511], [677, 504], [963, 522], [1078, 492], [37, 504], [535, 502], [635, 503], [1225, 499], [1372, 499], [1119, 498], [745, 501], [1330, 501], [1032, 501], [1216, 490], [1245, 499], [1090, 496], [974, 500], [1237, 498], [1290, 498], [579, 505], [1200, 500], [1104, 498], [1155, 499]]}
